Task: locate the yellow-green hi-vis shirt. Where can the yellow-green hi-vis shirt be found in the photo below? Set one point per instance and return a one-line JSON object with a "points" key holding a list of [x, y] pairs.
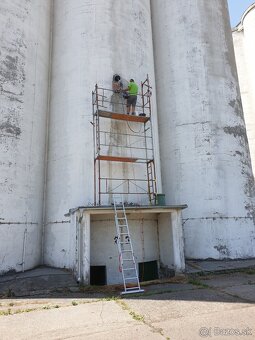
{"points": [[132, 89]]}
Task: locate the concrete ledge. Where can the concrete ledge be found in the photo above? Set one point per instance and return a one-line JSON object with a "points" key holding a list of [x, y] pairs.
{"points": [[130, 209]]}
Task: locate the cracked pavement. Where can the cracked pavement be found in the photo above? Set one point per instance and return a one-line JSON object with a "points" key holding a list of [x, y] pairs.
{"points": [[204, 306]]}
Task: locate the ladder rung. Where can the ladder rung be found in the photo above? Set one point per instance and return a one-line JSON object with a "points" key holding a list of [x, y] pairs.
{"points": [[121, 218], [122, 225], [128, 260], [124, 234], [132, 288], [133, 291], [131, 278], [129, 268], [124, 242], [126, 251]]}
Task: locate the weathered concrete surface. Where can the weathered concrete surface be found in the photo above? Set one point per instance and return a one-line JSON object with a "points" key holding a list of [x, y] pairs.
{"points": [[193, 266], [208, 325], [101, 320], [205, 157], [37, 282], [181, 311], [243, 37], [226, 280], [44, 281], [243, 291], [24, 70]]}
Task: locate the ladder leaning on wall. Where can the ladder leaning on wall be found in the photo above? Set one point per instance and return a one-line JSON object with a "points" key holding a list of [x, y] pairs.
{"points": [[126, 254]]}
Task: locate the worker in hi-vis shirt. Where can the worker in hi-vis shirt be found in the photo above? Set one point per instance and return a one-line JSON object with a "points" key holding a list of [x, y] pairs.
{"points": [[132, 96]]}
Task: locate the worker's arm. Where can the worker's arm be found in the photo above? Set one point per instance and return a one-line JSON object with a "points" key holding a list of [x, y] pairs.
{"points": [[127, 89]]}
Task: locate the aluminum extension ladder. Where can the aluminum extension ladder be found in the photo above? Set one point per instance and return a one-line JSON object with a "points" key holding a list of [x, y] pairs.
{"points": [[126, 254]]}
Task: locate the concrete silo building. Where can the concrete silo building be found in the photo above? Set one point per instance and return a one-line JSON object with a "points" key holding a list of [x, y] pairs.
{"points": [[89, 150], [243, 37]]}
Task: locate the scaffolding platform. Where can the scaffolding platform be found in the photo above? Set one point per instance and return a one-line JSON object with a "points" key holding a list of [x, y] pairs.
{"points": [[123, 116], [117, 159]]}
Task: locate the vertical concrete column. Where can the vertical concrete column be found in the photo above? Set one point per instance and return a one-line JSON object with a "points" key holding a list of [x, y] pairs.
{"points": [[171, 246], [92, 40], [244, 82], [165, 241], [243, 37], [178, 241], [24, 67], [203, 143], [85, 225]]}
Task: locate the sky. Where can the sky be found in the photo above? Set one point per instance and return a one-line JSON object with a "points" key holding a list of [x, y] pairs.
{"points": [[237, 8]]}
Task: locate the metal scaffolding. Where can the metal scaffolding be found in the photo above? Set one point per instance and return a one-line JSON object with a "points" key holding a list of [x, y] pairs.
{"points": [[115, 145]]}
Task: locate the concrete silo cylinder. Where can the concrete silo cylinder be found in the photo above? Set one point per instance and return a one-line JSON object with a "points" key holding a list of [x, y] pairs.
{"points": [[93, 40], [24, 66], [203, 143], [248, 31]]}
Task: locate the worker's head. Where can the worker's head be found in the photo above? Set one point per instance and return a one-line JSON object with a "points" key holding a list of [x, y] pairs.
{"points": [[116, 77], [131, 80]]}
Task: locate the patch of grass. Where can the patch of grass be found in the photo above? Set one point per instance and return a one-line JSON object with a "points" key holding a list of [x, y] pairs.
{"points": [[111, 298], [46, 307], [250, 271], [56, 306], [123, 305], [11, 304], [139, 317], [136, 316], [17, 311], [27, 310], [5, 312], [198, 283], [74, 303]]}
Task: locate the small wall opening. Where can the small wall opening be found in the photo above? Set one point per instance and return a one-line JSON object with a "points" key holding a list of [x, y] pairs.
{"points": [[148, 271], [98, 275]]}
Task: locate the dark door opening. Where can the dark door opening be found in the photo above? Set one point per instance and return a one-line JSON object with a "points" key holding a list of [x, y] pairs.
{"points": [[148, 271], [98, 275]]}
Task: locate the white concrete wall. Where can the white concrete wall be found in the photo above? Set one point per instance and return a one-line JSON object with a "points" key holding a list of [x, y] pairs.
{"points": [[243, 37], [166, 241], [24, 66], [204, 150], [91, 42], [104, 252]]}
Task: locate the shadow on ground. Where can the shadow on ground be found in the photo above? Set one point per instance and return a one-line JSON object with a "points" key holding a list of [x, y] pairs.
{"points": [[234, 281]]}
